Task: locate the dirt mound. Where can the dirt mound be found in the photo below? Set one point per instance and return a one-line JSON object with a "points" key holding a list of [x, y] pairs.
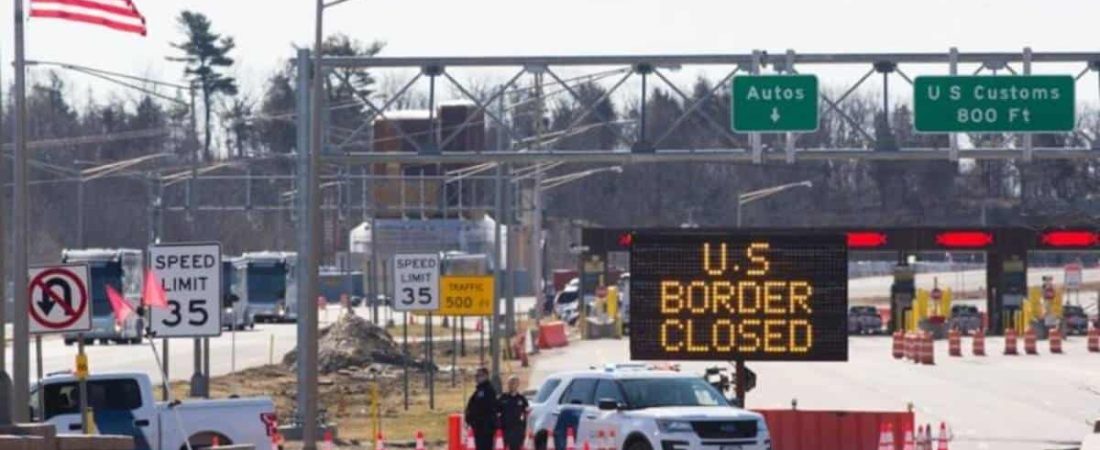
{"points": [[352, 343]]}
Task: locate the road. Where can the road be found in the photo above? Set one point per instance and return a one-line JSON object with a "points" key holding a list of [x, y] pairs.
{"points": [[993, 403], [267, 343]]}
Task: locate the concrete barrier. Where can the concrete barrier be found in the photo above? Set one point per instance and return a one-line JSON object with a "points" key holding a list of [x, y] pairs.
{"points": [[45, 437], [94, 442], [552, 335], [9, 442]]}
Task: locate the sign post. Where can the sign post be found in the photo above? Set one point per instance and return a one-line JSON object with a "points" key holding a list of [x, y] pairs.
{"points": [[416, 282], [190, 275], [60, 302], [774, 103], [416, 288], [1024, 104]]}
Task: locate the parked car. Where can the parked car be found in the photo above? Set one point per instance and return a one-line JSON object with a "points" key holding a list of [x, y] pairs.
{"points": [[864, 320], [965, 318], [1075, 319], [124, 405], [647, 410]]}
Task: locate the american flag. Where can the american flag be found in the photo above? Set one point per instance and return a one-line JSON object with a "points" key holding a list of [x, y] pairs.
{"points": [[119, 15]]}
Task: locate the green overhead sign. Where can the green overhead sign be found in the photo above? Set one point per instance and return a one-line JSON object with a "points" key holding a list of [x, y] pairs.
{"points": [[774, 103], [1027, 104]]}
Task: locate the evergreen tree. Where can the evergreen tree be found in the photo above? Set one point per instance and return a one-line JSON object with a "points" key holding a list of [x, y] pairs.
{"points": [[207, 56]]}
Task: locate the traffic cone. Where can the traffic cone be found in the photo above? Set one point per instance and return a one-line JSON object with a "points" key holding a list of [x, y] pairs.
{"points": [[942, 441], [1056, 341], [1010, 342], [215, 441], [528, 440], [954, 343], [908, 436], [898, 349], [470, 445], [928, 436], [886, 436], [498, 441], [479, 326], [979, 342], [550, 445], [570, 440], [1030, 341], [1094, 339], [328, 440], [419, 440], [928, 347], [379, 442]]}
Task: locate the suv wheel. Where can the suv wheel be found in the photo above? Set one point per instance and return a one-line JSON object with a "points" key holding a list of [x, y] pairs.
{"points": [[638, 444]]}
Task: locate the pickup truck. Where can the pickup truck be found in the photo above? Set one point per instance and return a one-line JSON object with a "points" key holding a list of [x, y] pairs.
{"points": [[123, 404]]}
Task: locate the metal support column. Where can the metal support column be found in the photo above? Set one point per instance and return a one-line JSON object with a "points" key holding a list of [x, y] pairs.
{"points": [[754, 138], [309, 138], [509, 247], [494, 323], [20, 388], [1028, 150], [953, 138], [788, 69], [80, 243]]}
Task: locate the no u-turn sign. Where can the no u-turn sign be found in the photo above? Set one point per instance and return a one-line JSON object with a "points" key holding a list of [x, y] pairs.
{"points": [[59, 299]]}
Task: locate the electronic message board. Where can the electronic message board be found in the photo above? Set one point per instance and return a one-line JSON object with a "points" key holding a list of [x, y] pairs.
{"points": [[729, 295]]}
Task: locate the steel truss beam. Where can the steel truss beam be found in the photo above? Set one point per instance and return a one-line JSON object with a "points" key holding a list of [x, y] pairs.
{"points": [[644, 65], [707, 155]]}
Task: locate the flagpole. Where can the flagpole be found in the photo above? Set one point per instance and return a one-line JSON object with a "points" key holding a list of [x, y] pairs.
{"points": [[21, 340]]}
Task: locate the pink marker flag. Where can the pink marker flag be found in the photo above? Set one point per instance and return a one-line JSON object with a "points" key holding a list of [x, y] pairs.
{"points": [[153, 295], [119, 305]]}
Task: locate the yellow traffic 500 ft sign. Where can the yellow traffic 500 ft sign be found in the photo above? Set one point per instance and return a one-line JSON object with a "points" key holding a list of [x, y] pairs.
{"points": [[466, 296]]}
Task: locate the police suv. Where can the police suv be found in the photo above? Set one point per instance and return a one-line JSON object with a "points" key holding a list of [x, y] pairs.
{"points": [[642, 410]]}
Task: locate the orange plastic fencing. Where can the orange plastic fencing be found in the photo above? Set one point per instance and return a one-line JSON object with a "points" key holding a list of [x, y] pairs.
{"points": [[552, 334], [833, 430]]}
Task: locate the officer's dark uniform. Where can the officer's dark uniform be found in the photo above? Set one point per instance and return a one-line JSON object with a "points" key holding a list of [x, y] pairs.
{"points": [[481, 415], [513, 420]]}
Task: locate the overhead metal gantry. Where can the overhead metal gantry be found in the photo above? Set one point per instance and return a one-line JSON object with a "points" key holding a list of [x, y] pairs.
{"points": [[645, 142], [635, 141]]}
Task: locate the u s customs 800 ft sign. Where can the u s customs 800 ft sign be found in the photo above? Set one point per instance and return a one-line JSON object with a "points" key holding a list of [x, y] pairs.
{"points": [[729, 295]]}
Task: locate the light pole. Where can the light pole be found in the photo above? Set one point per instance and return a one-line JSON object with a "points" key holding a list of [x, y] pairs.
{"points": [[753, 196], [308, 243]]}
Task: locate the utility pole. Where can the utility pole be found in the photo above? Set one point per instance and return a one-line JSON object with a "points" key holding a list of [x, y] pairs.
{"points": [[20, 388], [494, 319]]}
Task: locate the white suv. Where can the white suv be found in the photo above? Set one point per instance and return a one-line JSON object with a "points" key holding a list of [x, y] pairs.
{"points": [[645, 410]]}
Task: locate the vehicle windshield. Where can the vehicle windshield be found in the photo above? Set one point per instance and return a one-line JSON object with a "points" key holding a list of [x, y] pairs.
{"points": [[266, 283], [102, 275], [658, 392], [567, 297], [868, 310]]}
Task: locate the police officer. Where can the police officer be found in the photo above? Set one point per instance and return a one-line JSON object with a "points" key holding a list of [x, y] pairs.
{"points": [[481, 411], [513, 415]]}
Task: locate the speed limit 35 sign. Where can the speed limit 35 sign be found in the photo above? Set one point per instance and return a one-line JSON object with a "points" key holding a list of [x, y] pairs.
{"points": [[416, 282], [191, 277]]}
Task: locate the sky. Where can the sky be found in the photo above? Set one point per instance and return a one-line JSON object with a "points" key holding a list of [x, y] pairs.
{"points": [[266, 30]]}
